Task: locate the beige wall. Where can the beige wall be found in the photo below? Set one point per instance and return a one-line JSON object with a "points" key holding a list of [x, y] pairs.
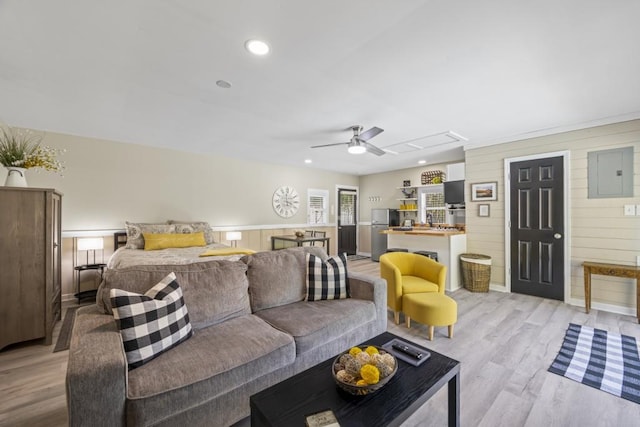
{"points": [[107, 183], [598, 229], [386, 186], [384, 189]]}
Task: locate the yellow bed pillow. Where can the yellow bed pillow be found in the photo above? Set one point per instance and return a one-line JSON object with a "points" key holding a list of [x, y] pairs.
{"points": [[153, 241]]}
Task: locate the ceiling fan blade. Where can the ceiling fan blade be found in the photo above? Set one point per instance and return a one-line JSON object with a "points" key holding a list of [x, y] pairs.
{"points": [[330, 145], [373, 149], [368, 134]]}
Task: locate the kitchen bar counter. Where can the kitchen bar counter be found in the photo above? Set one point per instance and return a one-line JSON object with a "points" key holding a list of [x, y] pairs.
{"points": [[449, 244], [424, 232]]}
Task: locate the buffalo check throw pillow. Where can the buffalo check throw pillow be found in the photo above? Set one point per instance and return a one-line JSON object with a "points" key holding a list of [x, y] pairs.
{"points": [[152, 323], [328, 279]]}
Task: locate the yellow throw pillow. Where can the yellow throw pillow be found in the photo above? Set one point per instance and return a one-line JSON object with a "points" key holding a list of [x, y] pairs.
{"points": [[153, 241]]}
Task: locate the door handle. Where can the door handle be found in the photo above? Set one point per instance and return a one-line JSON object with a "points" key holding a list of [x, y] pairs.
{"points": [[557, 236]]}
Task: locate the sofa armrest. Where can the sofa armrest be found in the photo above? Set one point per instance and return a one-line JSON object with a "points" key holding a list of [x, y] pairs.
{"points": [[96, 372], [371, 288]]}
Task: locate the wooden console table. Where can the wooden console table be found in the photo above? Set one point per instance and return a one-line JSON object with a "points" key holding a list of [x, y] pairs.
{"points": [[616, 270]]}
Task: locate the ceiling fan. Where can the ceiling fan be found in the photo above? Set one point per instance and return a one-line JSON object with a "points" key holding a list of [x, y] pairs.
{"points": [[358, 143]]}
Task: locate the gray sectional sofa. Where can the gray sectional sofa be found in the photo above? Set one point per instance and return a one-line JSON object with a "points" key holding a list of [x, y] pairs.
{"points": [[252, 329]]}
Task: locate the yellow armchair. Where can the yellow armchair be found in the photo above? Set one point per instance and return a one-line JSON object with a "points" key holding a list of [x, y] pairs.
{"points": [[408, 273]]}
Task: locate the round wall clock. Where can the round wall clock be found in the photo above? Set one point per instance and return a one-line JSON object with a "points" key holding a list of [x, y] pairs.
{"points": [[286, 201]]}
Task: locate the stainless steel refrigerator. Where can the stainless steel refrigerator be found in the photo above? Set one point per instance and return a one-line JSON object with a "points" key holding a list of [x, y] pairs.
{"points": [[381, 219]]}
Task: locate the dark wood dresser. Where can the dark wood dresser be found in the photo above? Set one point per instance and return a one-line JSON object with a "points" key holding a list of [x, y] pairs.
{"points": [[30, 259]]}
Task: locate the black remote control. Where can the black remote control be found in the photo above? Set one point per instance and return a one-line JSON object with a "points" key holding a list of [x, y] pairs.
{"points": [[407, 350]]}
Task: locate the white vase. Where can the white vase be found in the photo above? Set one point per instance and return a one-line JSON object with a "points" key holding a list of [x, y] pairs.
{"points": [[15, 177]]}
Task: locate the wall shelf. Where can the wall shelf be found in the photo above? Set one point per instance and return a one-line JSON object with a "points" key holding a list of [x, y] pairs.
{"points": [[421, 186]]}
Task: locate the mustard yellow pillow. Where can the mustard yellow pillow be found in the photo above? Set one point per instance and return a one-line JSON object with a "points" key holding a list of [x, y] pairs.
{"points": [[154, 241]]}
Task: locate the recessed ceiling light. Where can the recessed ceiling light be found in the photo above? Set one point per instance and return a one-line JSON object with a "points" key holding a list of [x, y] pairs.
{"points": [[307, 161], [223, 84], [257, 47], [422, 162]]}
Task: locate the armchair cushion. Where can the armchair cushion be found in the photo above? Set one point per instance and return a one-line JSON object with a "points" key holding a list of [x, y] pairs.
{"points": [[414, 284]]}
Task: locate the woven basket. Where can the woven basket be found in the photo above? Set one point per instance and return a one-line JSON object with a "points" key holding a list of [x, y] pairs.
{"points": [[428, 177], [476, 272], [367, 389]]}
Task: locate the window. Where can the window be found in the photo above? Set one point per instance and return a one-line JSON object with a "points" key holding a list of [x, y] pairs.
{"points": [[317, 206], [347, 207], [431, 201]]}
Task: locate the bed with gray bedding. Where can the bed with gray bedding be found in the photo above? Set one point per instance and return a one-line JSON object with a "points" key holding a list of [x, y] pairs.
{"points": [[125, 257]]}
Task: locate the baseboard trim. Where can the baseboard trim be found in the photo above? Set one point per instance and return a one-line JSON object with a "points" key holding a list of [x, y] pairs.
{"points": [[497, 288], [627, 311]]}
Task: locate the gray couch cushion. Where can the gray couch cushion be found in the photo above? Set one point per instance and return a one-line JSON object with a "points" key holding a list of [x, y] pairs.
{"points": [[278, 277], [313, 324], [214, 291], [215, 361]]}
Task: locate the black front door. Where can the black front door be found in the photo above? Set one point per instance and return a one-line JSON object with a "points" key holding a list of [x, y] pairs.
{"points": [[347, 221], [537, 227]]}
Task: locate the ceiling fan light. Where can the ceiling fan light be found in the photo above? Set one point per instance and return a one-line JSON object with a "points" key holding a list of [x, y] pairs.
{"points": [[257, 47], [356, 149]]}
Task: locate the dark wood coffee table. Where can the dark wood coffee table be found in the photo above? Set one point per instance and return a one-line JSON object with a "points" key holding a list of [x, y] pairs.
{"points": [[290, 401]]}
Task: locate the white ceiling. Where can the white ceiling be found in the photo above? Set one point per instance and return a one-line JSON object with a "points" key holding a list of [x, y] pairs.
{"points": [[145, 72]]}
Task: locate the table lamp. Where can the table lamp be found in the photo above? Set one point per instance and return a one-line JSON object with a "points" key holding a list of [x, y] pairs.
{"points": [[233, 237], [90, 244]]}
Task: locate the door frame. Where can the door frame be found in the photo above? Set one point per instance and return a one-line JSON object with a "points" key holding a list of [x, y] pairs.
{"points": [[566, 216], [337, 207]]}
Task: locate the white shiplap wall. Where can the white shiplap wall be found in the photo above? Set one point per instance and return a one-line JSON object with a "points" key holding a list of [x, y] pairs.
{"points": [[599, 230]]}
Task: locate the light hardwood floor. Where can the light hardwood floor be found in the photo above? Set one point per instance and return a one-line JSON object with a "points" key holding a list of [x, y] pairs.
{"points": [[505, 343]]}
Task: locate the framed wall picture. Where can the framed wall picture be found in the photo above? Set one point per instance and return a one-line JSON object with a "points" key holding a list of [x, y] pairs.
{"points": [[484, 191], [483, 210]]}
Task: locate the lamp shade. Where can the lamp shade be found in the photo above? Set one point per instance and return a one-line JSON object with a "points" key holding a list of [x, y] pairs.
{"points": [[234, 235], [90, 243]]}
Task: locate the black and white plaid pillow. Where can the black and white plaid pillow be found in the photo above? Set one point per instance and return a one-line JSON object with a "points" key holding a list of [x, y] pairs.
{"points": [[152, 323], [327, 280]]}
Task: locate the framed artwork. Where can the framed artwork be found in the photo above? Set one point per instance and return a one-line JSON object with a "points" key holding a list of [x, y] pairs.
{"points": [[483, 210], [484, 191]]}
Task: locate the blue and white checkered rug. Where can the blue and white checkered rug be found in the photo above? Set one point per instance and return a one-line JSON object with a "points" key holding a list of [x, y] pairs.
{"points": [[602, 360]]}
